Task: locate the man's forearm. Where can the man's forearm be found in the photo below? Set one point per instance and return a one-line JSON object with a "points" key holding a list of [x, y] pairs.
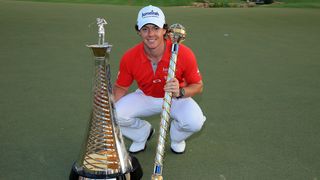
{"points": [[193, 89], [119, 92]]}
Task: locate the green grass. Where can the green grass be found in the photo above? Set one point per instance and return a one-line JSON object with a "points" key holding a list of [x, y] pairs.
{"points": [[214, 3], [261, 97], [125, 2]]}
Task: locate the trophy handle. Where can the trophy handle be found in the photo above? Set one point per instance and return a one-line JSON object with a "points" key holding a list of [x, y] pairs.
{"points": [[177, 34]]}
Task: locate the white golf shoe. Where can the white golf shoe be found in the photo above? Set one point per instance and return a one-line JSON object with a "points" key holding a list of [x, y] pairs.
{"points": [[178, 147], [137, 147]]}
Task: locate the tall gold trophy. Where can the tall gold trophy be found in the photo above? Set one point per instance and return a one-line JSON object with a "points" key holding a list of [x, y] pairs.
{"points": [[177, 34], [104, 155]]}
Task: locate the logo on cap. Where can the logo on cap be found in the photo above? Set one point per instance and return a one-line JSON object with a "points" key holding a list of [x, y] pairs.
{"points": [[150, 14]]}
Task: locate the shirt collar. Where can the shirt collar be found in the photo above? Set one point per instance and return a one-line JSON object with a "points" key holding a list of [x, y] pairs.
{"points": [[165, 57]]}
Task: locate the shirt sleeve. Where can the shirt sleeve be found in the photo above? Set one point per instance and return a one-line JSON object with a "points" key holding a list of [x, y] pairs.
{"points": [[192, 73], [125, 77]]}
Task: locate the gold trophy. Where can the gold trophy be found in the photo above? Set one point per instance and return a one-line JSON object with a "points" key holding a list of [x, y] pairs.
{"points": [[177, 34], [104, 155]]}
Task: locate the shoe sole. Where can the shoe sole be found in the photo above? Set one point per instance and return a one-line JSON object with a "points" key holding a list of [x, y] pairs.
{"points": [[175, 152]]}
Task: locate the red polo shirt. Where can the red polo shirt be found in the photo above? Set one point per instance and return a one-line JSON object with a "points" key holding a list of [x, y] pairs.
{"points": [[136, 66]]}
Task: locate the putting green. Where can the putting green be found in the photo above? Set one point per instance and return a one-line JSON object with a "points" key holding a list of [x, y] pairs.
{"points": [[261, 97]]}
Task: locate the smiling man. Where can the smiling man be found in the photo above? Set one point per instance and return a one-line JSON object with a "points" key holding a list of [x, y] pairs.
{"points": [[147, 63]]}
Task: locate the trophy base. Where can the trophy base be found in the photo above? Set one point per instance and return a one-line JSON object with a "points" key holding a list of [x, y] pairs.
{"points": [[135, 174]]}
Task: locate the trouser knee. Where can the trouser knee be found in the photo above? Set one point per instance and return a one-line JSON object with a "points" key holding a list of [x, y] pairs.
{"points": [[123, 120], [122, 117], [193, 127], [190, 126]]}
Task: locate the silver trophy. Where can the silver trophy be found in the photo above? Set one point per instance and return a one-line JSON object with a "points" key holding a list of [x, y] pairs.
{"points": [[177, 34], [104, 155]]}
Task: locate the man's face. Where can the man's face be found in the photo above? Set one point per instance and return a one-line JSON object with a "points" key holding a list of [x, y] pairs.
{"points": [[152, 35]]}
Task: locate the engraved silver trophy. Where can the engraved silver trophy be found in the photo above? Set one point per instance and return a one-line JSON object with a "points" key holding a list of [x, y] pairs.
{"points": [[177, 34], [103, 155]]}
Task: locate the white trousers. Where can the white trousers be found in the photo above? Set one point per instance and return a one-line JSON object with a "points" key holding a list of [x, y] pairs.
{"points": [[185, 112]]}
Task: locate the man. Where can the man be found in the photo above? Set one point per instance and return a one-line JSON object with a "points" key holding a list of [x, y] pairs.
{"points": [[147, 63]]}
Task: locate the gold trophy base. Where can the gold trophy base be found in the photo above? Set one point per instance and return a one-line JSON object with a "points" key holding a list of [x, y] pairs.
{"points": [[156, 177], [135, 174]]}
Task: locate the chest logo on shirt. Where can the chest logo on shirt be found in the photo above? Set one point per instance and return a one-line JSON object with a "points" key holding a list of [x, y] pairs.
{"points": [[156, 81]]}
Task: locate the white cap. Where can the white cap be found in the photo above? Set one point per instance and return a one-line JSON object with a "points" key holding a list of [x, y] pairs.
{"points": [[150, 14]]}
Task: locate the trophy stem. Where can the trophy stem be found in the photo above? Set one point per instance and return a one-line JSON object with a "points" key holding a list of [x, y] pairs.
{"points": [[177, 34], [165, 118]]}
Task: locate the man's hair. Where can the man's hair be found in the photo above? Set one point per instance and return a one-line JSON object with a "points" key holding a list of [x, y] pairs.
{"points": [[165, 26]]}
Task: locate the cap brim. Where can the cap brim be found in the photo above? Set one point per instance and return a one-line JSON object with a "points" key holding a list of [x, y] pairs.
{"points": [[155, 22]]}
